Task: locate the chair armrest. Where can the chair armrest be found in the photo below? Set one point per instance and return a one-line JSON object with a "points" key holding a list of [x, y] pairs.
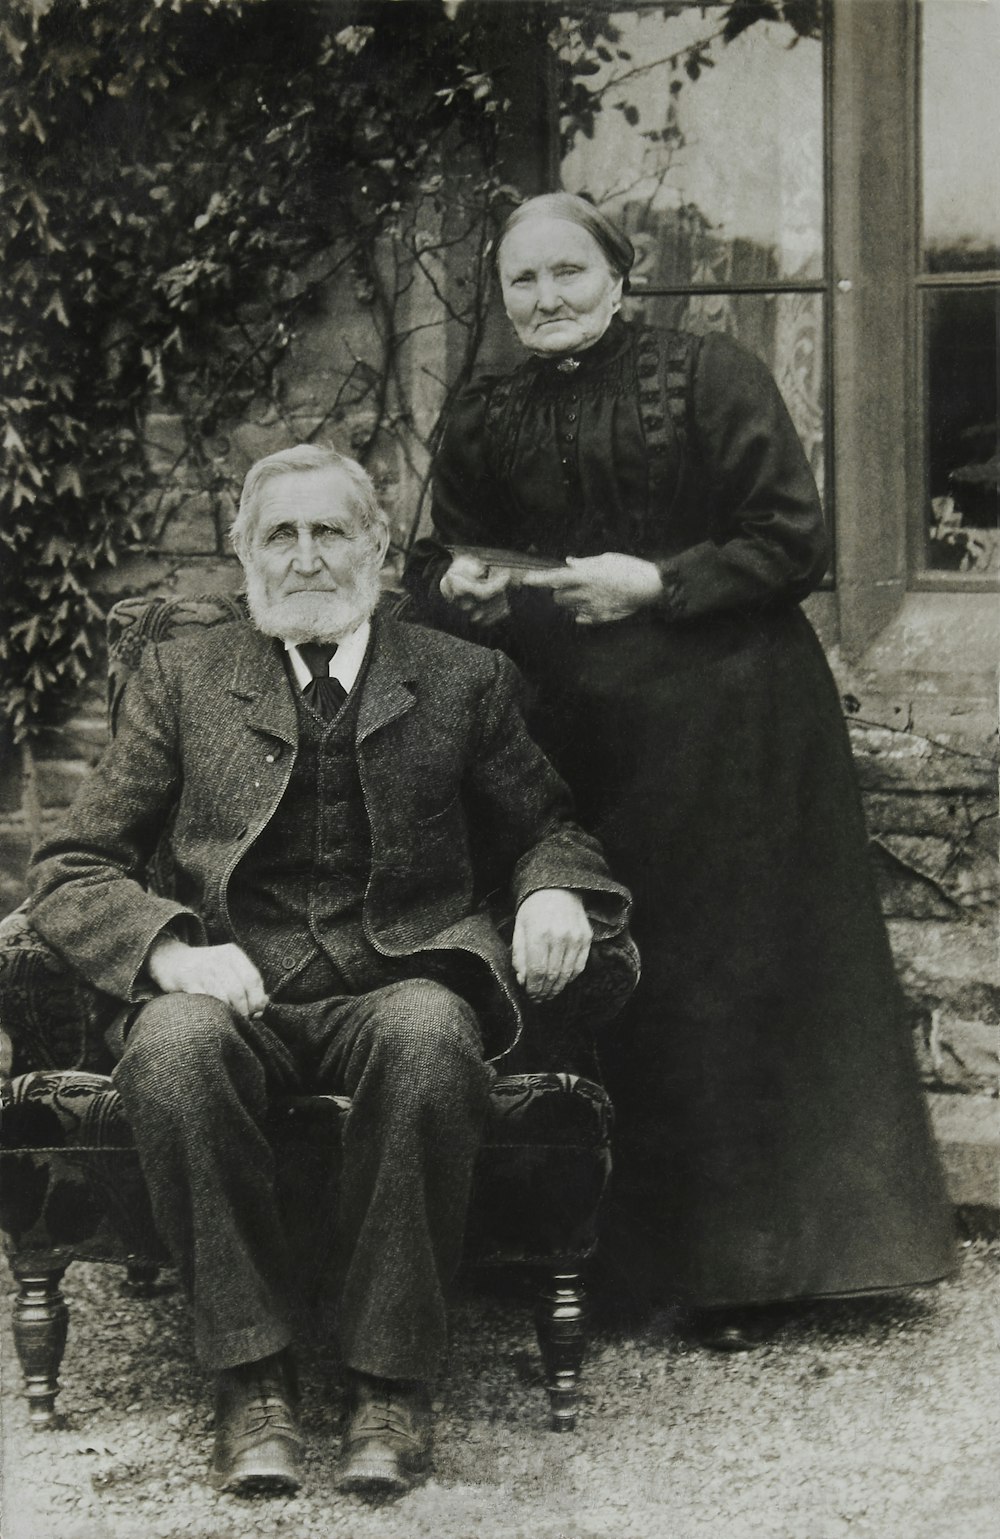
{"points": [[52, 1018]]}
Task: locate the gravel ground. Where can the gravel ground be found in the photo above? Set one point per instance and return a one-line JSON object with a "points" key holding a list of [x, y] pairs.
{"points": [[871, 1420]]}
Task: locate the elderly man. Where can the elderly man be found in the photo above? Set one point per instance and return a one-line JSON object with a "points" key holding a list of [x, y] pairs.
{"points": [[329, 773]]}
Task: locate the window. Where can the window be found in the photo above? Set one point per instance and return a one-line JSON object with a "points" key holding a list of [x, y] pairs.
{"points": [[710, 153], [833, 201], [958, 284]]}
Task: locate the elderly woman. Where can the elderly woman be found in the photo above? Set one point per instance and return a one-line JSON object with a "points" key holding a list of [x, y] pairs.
{"points": [[631, 516]]}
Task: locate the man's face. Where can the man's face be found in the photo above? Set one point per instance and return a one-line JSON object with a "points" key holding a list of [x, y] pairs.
{"points": [[312, 569]]}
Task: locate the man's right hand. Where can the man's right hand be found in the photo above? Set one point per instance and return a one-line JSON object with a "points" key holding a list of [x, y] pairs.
{"points": [[478, 590], [222, 972]]}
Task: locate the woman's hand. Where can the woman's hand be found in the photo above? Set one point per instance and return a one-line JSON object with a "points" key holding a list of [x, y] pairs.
{"points": [[478, 590], [599, 589]]}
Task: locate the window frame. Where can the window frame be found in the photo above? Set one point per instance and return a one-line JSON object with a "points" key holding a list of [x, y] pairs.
{"points": [[821, 285], [924, 578], [875, 366]]}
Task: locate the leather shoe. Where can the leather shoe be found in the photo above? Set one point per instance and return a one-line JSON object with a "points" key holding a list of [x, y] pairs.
{"points": [[388, 1437], [257, 1443], [732, 1330]]}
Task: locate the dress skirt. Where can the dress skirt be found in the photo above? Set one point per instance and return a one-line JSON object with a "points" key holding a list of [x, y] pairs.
{"points": [[773, 1139]]}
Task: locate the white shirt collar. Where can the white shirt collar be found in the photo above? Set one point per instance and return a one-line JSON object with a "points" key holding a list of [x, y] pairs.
{"points": [[345, 664]]}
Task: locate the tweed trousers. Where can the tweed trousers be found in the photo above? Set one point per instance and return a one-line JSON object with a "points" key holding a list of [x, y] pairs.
{"points": [[196, 1079]]}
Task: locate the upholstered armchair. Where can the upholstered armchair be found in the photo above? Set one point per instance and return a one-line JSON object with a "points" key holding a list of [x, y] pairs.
{"points": [[70, 1184]]}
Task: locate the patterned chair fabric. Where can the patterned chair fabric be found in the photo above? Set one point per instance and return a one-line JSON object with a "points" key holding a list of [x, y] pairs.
{"points": [[70, 1183]]}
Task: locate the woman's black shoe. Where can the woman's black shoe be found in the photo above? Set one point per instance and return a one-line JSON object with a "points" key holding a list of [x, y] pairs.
{"points": [[732, 1330]]}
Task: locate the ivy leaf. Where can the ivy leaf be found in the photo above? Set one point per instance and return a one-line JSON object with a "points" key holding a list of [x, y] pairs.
{"points": [[68, 480], [55, 307]]}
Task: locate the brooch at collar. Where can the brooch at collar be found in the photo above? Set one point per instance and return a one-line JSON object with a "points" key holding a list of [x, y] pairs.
{"points": [[568, 365]]}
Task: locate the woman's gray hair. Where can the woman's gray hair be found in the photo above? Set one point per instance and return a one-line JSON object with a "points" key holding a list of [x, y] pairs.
{"points": [[618, 250], [299, 461]]}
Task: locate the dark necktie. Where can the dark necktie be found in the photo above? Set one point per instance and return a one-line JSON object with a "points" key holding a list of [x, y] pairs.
{"points": [[324, 694]]}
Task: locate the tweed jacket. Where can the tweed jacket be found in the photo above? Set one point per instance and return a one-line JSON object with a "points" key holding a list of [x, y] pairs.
{"points": [[204, 743]]}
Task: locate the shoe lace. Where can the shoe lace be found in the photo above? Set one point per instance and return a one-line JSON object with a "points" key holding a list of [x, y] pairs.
{"points": [[383, 1413], [268, 1408]]}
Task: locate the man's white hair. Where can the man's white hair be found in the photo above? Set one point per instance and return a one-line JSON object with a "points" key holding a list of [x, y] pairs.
{"points": [[300, 461]]}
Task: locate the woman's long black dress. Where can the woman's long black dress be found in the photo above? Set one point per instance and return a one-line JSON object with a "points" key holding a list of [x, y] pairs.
{"points": [[772, 1140]]}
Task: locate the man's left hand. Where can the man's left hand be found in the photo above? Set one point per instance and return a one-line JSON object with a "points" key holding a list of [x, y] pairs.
{"points": [[552, 937]]}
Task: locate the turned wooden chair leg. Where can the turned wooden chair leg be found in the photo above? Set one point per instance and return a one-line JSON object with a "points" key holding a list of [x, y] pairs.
{"points": [[561, 1321], [40, 1323]]}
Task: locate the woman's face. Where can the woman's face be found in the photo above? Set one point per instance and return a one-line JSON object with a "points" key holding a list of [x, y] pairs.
{"points": [[558, 289]]}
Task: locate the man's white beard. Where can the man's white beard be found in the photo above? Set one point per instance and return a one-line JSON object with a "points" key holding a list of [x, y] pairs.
{"points": [[314, 616]]}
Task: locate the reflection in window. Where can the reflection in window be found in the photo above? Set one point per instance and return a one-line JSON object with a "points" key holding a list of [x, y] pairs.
{"points": [[718, 179], [960, 132], [960, 128], [963, 462]]}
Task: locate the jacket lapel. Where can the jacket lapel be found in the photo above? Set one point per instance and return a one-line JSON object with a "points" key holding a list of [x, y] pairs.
{"points": [[387, 687], [260, 682]]}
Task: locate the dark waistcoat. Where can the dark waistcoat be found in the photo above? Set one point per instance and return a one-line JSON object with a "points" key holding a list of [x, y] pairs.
{"points": [[297, 895]]}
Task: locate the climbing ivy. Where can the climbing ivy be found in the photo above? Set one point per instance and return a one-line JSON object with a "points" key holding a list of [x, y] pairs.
{"points": [[183, 179], [173, 168]]}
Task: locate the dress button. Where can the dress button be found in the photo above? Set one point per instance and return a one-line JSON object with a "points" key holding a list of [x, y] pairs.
{"points": [[568, 437], [571, 416]]}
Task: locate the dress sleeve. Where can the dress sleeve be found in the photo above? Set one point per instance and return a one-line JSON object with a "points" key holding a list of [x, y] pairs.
{"points": [[768, 536], [465, 509]]}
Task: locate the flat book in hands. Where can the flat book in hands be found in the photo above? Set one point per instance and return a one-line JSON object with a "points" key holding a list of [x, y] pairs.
{"points": [[512, 560]]}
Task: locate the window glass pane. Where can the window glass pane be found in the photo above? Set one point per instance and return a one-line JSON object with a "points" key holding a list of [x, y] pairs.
{"points": [[960, 110], [785, 330], [718, 179], [960, 328]]}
